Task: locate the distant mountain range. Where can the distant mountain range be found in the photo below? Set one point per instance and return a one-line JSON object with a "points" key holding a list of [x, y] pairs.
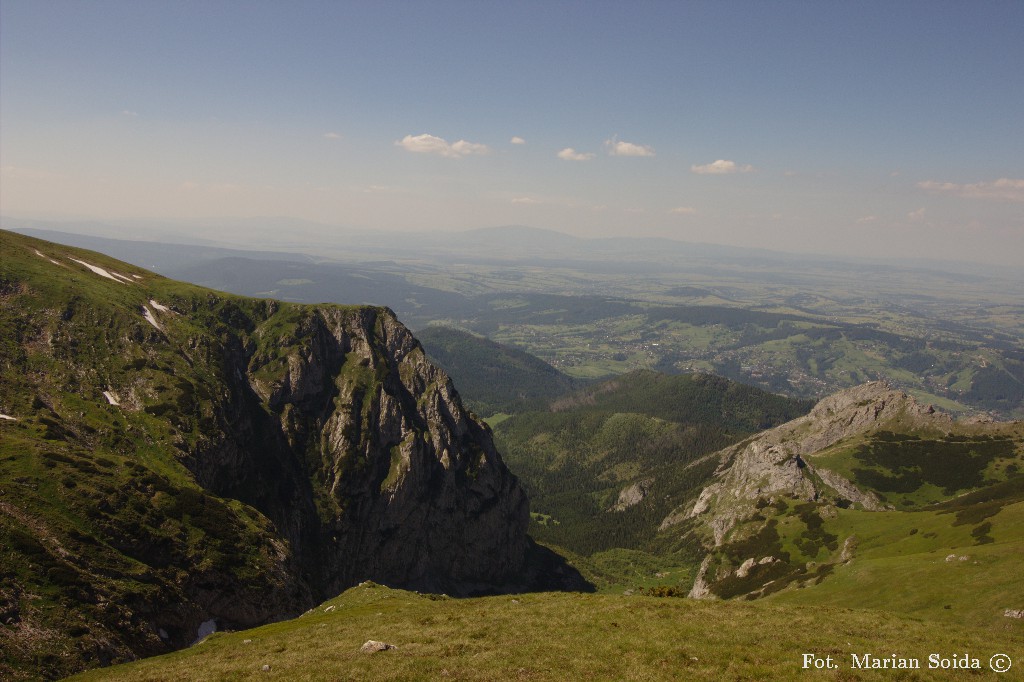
{"points": [[508, 243]]}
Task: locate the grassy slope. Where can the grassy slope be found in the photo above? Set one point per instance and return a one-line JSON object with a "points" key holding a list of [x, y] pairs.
{"points": [[99, 518], [558, 637], [958, 494], [909, 470], [952, 568], [899, 595], [102, 525]]}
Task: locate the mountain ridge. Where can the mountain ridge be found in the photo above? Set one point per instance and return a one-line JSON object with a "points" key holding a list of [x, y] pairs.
{"points": [[780, 506], [215, 459]]}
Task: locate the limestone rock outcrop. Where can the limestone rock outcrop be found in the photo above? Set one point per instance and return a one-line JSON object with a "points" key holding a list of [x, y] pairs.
{"points": [[343, 433], [779, 461]]}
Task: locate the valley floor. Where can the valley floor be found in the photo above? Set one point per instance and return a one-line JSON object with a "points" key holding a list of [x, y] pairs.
{"points": [[571, 636]]}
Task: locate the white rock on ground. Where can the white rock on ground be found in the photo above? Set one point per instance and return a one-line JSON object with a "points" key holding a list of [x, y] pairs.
{"points": [[372, 646]]}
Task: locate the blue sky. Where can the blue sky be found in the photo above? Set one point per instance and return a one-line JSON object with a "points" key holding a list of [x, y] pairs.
{"points": [[867, 128]]}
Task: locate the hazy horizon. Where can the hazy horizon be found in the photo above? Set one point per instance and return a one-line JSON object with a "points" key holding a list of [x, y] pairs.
{"points": [[874, 130], [264, 235]]}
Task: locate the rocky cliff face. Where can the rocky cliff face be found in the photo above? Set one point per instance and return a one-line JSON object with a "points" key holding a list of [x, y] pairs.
{"points": [[170, 456], [780, 462], [411, 490], [777, 513], [334, 425], [778, 466]]}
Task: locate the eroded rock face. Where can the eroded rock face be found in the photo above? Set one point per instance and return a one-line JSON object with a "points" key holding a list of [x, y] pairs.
{"points": [[858, 409], [361, 452], [701, 586], [632, 495], [777, 462]]}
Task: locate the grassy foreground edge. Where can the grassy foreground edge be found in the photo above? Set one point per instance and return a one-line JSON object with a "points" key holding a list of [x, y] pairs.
{"points": [[565, 636]]}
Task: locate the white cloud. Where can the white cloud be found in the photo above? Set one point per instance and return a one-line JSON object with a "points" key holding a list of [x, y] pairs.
{"points": [[867, 219], [1003, 189], [332, 136], [425, 144], [570, 154], [528, 201], [517, 140], [721, 167], [620, 148], [463, 148], [129, 113], [683, 210], [916, 216], [431, 144]]}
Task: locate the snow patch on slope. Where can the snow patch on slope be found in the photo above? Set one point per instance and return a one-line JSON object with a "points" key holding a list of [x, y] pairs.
{"points": [[206, 628], [148, 314], [43, 255], [99, 271], [111, 398]]}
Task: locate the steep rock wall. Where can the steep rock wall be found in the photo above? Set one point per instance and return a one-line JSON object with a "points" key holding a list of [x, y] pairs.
{"points": [[776, 461], [341, 431]]}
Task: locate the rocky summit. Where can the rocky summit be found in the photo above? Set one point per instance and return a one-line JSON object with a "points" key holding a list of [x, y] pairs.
{"points": [[776, 462], [174, 460], [867, 451]]}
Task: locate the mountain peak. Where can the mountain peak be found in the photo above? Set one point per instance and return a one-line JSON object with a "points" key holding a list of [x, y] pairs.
{"points": [[776, 462]]}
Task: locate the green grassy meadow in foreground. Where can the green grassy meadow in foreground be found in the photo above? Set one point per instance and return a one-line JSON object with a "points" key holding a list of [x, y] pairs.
{"points": [[570, 636], [928, 564]]}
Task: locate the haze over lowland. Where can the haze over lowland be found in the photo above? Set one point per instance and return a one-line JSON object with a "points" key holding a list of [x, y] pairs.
{"points": [[870, 129]]}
